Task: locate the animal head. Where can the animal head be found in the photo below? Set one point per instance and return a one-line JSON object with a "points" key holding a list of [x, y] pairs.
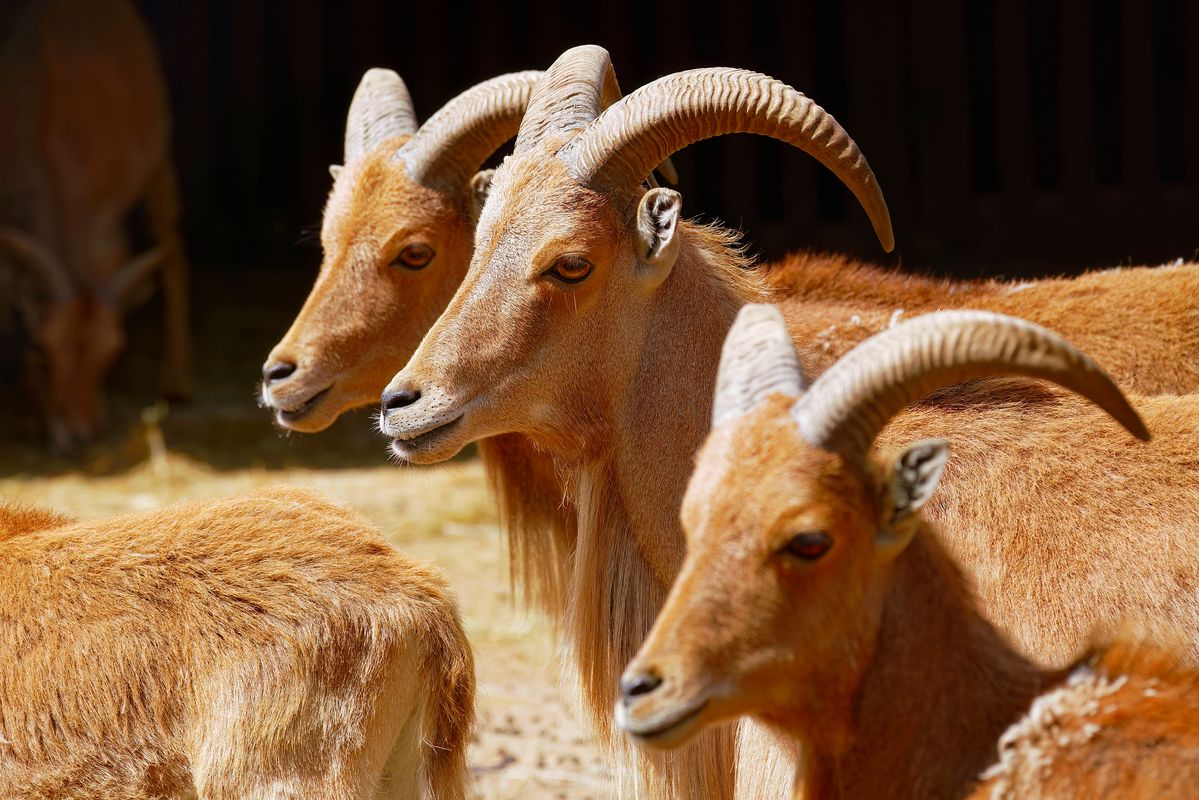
{"points": [[572, 249], [793, 525], [397, 236], [77, 332]]}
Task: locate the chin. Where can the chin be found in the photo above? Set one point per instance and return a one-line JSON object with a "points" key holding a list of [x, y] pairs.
{"points": [[433, 446]]}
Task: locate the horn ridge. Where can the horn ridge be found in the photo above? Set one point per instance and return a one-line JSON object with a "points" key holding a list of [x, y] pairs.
{"points": [[569, 96], [381, 109], [620, 148], [848, 406], [455, 142]]}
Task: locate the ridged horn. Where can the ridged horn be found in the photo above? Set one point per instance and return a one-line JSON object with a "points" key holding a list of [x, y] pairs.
{"points": [[624, 144], [453, 144], [380, 110], [847, 406], [569, 96], [48, 268], [758, 359]]}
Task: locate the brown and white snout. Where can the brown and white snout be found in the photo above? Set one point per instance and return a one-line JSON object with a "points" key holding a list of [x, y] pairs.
{"points": [[423, 421], [656, 708], [294, 393]]}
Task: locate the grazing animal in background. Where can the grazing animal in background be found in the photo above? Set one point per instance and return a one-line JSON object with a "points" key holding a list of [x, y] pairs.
{"points": [[591, 320], [264, 645], [817, 597], [86, 145]]}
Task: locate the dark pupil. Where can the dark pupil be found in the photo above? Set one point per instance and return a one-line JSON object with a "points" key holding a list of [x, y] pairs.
{"points": [[809, 545], [571, 266]]}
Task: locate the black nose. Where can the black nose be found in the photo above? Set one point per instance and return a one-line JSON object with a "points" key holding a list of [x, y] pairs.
{"points": [[642, 683], [277, 372], [399, 399]]}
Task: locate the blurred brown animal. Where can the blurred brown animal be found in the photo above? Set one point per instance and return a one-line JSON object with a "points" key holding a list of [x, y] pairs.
{"points": [[819, 597], [266, 645], [591, 319], [85, 144]]}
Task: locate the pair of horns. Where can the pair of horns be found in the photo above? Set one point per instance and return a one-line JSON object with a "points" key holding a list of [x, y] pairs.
{"points": [[55, 277], [451, 146], [847, 407], [617, 148], [40, 260]]}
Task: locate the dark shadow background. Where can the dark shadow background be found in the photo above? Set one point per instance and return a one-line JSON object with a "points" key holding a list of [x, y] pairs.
{"points": [[1008, 135], [1011, 137]]}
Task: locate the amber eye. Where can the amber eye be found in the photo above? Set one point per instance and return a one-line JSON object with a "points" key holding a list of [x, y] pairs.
{"points": [[809, 545], [414, 256], [570, 269]]}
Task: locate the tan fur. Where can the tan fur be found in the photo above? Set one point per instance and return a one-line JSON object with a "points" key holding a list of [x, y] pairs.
{"points": [[1125, 723], [365, 316], [1140, 322], [86, 143], [614, 379], [879, 660], [249, 647]]}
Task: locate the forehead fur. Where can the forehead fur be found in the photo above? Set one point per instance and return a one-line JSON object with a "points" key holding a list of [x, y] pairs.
{"points": [[534, 198], [374, 196], [758, 466]]}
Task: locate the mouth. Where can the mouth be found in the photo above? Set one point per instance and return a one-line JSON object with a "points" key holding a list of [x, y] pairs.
{"points": [[285, 416], [408, 444], [660, 730]]}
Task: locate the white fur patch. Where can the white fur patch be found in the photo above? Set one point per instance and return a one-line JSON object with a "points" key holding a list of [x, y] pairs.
{"points": [[1056, 720]]}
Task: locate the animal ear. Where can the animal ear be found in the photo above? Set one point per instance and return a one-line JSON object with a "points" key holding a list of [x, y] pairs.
{"points": [[335, 170], [657, 229], [758, 359], [480, 187], [914, 476]]}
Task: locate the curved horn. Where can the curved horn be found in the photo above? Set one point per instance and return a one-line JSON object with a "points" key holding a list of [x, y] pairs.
{"points": [[381, 109], [452, 144], [569, 96], [849, 404], [758, 359], [44, 263], [621, 147]]}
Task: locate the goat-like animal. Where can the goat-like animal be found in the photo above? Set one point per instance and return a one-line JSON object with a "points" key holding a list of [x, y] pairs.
{"points": [[816, 598], [265, 645], [591, 321], [85, 143]]}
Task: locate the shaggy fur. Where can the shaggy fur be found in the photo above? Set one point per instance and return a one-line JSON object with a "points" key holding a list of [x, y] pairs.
{"points": [[1139, 322], [877, 657], [1124, 724], [247, 647], [612, 378]]}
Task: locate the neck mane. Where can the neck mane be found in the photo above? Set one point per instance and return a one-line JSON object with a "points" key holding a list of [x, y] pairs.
{"points": [[940, 689], [595, 538]]}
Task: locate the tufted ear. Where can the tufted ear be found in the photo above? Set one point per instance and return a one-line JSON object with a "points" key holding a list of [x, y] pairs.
{"points": [[480, 187], [335, 170], [914, 476], [758, 359], [657, 229]]}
